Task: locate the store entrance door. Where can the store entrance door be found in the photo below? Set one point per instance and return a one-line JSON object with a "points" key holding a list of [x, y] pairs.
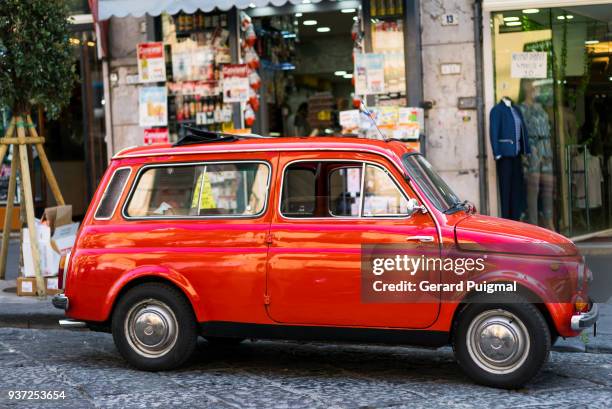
{"points": [[75, 141]]}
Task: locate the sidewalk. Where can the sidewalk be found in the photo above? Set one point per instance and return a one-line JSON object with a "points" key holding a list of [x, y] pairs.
{"points": [[26, 312]]}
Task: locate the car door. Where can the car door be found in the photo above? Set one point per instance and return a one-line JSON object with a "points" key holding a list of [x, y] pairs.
{"points": [[206, 220], [318, 229]]}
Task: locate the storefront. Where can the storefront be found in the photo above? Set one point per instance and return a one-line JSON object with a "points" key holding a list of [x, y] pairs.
{"points": [[279, 68], [552, 60]]}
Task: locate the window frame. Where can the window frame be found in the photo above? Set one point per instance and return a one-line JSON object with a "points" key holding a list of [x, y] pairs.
{"points": [[363, 164], [112, 213], [144, 168]]}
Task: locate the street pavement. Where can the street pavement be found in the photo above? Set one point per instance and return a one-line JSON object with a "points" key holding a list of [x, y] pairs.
{"points": [[265, 374]]}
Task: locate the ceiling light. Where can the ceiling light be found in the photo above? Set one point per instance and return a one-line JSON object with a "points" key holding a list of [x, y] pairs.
{"points": [[306, 1], [531, 11], [348, 76], [340, 73], [323, 29], [310, 22], [347, 11], [511, 19], [355, 18], [569, 17], [298, 14], [560, 17], [589, 42], [251, 5], [513, 23]]}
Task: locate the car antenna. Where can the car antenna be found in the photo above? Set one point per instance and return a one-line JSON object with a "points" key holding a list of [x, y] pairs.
{"points": [[363, 108]]}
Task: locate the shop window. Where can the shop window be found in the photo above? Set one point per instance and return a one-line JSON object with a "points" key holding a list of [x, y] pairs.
{"points": [[552, 66], [232, 189]]}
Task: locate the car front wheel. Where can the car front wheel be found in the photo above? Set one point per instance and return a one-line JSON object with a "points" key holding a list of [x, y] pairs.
{"points": [[501, 345], [154, 327]]}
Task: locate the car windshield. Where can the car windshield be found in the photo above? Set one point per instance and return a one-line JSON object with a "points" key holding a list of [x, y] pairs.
{"points": [[436, 189]]}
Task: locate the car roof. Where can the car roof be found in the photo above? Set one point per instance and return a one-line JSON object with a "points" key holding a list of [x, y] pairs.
{"points": [[390, 148]]}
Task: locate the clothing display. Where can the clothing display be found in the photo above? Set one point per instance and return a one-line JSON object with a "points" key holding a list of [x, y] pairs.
{"points": [[539, 168], [509, 141], [594, 179], [507, 130], [511, 187]]}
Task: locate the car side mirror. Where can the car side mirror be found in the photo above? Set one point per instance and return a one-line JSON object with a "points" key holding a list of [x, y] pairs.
{"points": [[414, 206]]}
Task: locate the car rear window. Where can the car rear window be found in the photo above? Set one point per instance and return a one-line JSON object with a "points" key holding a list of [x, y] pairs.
{"points": [[111, 195], [200, 190]]}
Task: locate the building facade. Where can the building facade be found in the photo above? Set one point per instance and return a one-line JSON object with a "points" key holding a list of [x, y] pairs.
{"points": [[460, 57]]}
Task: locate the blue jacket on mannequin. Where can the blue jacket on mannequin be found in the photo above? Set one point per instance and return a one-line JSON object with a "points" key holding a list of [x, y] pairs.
{"points": [[503, 133]]}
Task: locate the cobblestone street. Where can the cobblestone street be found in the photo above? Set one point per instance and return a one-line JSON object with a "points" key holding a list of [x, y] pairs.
{"points": [[279, 375]]}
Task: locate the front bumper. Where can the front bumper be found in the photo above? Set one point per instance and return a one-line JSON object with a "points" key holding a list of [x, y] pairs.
{"points": [[585, 320]]}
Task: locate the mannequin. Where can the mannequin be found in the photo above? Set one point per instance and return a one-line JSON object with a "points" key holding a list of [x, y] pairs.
{"points": [[509, 141], [540, 160]]}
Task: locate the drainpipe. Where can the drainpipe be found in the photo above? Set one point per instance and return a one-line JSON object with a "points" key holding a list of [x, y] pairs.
{"points": [[480, 110]]}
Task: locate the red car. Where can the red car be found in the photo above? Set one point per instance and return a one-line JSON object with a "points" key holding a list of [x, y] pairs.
{"points": [[246, 237]]}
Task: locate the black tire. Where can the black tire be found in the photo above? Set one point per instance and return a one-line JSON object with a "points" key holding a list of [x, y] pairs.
{"points": [[223, 341], [530, 324], [148, 302]]}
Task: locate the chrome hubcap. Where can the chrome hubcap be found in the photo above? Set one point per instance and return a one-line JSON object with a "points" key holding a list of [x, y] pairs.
{"points": [[152, 328], [498, 341]]}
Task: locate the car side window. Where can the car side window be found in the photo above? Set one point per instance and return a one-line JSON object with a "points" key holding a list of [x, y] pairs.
{"points": [[200, 190], [340, 189], [111, 195], [382, 196]]}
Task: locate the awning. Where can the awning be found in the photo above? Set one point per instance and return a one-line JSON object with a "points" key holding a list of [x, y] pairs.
{"points": [[136, 8]]}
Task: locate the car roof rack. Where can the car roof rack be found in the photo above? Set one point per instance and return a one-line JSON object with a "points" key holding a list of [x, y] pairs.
{"points": [[195, 136]]}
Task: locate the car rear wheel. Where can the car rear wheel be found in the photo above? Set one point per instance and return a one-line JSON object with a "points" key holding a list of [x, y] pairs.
{"points": [[501, 344], [154, 327]]}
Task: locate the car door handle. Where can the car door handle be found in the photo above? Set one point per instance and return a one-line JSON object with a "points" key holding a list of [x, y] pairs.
{"points": [[422, 239]]}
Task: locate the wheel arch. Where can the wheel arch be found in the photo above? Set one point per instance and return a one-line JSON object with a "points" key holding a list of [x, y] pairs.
{"points": [[154, 275], [523, 291]]}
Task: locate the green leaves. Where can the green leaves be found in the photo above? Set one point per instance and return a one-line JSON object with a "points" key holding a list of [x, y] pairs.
{"points": [[36, 58]]}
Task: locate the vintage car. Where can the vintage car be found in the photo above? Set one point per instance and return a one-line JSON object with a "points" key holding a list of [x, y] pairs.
{"points": [[251, 237]]}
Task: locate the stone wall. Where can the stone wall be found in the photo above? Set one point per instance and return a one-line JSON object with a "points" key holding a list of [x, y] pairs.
{"points": [[452, 134]]}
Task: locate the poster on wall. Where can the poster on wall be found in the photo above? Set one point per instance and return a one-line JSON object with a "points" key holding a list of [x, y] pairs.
{"points": [[151, 62], [235, 83], [155, 135], [153, 106], [369, 74], [528, 65]]}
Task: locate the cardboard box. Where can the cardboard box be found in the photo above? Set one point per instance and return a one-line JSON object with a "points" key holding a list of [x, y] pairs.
{"points": [[57, 216], [49, 258], [63, 238], [51, 283], [26, 286]]}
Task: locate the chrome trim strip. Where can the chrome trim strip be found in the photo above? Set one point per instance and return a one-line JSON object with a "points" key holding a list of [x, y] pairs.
{"points": [[120, 193], [118, 154], [279, 149], [195, 217]]}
